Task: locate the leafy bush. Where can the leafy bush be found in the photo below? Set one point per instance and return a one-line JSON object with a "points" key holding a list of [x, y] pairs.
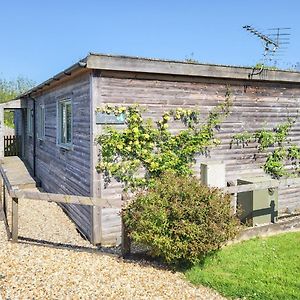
{"points": [[180, 220]]}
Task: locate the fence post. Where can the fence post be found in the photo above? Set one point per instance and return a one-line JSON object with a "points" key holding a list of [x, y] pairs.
{"points": [[1, 190], [125, 247], [4, 145], [125, 239], [4, 201], [233, 198], [15, 203], [2, 214]]}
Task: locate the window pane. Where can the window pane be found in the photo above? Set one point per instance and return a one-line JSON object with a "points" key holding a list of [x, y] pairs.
{"points": [[65, 122], [68, 122], [29, 121], [41, 121]]}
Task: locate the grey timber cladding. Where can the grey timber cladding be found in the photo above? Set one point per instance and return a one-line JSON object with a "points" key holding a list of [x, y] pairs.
{"points": [[159, 86], [67, 171], [259, 105]]}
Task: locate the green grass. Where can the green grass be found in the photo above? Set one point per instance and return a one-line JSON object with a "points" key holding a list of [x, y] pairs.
{"points": [[264, 269]]}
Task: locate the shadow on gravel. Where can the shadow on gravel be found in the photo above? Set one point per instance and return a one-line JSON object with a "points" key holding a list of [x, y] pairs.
{"points": [[69, 247], [141, 258]]}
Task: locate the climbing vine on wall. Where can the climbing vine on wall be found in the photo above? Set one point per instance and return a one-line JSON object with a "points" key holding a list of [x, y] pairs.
{"points": [[145, 149], [278, 147]]}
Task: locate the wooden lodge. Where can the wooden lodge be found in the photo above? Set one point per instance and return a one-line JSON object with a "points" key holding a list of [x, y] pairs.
{"points": [[60, 123]]}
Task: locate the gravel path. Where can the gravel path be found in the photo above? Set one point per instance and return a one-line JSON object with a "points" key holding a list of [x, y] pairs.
{"points": [[30, 270]]}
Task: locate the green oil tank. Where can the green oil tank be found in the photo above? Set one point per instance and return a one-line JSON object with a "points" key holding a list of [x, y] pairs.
{"points": [[260, 206]]}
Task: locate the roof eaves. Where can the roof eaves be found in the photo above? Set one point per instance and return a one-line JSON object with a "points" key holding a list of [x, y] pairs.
{"points": [[164, 66], [171, 67], [67, 72]]}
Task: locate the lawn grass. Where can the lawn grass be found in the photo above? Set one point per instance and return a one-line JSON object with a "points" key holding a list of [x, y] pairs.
{"points": [[261, 268]]}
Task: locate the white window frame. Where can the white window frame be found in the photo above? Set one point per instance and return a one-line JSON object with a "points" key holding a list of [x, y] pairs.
{"points": [[41, 122], [29, 121], [62, 124]]}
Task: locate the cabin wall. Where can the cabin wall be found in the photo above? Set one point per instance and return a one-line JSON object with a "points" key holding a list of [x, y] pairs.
{"points": [[28, 138], [106, 221], [256, 105], [60, 170]]}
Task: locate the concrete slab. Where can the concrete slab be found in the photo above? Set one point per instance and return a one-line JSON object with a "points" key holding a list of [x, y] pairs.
{"points": [[17, 173]]}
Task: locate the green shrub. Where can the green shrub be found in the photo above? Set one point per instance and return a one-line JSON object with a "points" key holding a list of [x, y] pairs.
{"points": [[9, 119], [180, 220]]}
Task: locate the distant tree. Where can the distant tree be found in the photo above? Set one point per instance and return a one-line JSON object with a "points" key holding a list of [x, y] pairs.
{"points": [[10, 89]]}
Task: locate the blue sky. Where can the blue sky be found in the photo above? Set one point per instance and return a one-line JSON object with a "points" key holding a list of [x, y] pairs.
{"points": [[41, 38]]}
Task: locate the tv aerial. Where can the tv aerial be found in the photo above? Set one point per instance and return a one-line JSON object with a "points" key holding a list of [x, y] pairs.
{"points": [[274, 41]]}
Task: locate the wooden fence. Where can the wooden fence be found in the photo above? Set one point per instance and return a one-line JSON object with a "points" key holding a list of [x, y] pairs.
{"points": [[17, 194], [272, 183], [12, 145]]}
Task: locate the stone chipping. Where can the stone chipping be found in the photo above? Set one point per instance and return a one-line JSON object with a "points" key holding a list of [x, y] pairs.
{"points": [[53, 261]]}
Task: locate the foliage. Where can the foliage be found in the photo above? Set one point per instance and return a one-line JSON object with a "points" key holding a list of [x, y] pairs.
{"points": [[180, 220], [10, 89], [263, 66], [9, 118], [278, 146], [256, 269], [143, 150]]}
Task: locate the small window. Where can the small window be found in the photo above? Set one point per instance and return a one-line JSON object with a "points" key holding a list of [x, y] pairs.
{"points": [[29, 121], [41, 122], [65, 122]]}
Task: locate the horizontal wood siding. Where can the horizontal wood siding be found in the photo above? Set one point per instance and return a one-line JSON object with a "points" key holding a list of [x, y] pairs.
{"points": [[258, 105], [67, 171], [110, 226]]}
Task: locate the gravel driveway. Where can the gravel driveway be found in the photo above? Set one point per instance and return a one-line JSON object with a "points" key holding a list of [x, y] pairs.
{"points": [[31, 270]]}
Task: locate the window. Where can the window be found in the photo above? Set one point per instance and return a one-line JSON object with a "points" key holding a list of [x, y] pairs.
{"points": [[29, 121], [65, 122], [41, 122]]}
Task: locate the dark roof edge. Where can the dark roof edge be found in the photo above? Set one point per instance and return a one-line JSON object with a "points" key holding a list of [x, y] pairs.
{"points": [[67, 72], [192, 62], [170, 67]]}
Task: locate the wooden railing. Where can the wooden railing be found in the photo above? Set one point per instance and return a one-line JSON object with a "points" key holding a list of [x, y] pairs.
{"points": [[18, 194], [272, 183]]}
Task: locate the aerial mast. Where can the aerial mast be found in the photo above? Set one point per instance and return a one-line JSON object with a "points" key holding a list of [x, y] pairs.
{"points": [[273, 41]]}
